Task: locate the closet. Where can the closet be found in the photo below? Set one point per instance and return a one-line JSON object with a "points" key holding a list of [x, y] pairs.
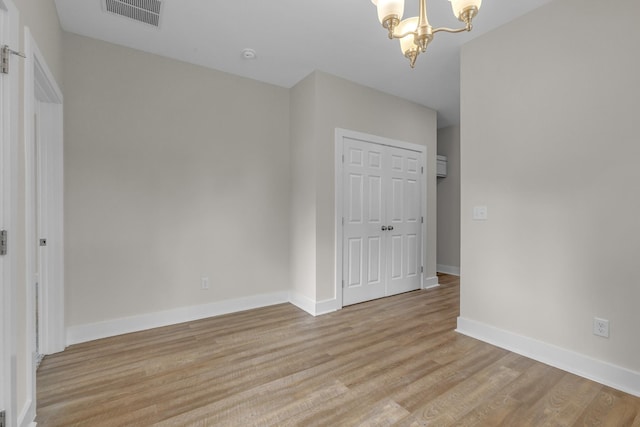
{"points": [[382, 220]]}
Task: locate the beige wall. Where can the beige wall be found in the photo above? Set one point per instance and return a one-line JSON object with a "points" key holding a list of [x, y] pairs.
{"points": [[173, 172], [339, 103], [41, 17], [449, 199], [303, 183], [550, 145]]}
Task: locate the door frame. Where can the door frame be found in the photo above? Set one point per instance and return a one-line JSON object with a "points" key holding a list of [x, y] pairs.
{"points": [[340, 135], [40, 85], [9, 15]]}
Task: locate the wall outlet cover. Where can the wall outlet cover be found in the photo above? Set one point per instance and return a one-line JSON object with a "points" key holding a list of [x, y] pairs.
{"points": [[601, 327]]}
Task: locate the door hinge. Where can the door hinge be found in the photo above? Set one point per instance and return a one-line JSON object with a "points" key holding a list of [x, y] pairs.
{"points": [[5, 54], [3, 242], [343, 158], [422, 219], [421, 169], [2, 418], [421, 269]]}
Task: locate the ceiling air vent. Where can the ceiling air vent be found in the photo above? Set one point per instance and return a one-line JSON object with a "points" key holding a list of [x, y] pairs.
{"points": [[147, 11]]}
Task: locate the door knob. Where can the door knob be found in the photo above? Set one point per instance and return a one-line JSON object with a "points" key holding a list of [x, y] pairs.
{"points": [[390, 228], [384, 228]]}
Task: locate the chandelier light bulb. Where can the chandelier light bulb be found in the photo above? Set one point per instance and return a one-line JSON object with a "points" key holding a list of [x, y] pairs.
{"points": [[459, 7], [407, 43], [389, 9]]}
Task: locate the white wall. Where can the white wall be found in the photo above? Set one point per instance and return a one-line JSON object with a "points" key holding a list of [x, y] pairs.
{"points": [[173, 172], [338, 103], [550, 109], [449, 202], [303, 183]]}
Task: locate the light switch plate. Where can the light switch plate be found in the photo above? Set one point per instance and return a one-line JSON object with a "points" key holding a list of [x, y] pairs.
{"points": [[480, 213]]}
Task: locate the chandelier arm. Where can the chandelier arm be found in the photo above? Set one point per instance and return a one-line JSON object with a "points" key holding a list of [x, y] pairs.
{"points": [[408, 33], [452, 30]]}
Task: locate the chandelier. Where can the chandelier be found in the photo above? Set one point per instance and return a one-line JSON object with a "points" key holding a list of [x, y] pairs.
{"points": [[416, 33]]}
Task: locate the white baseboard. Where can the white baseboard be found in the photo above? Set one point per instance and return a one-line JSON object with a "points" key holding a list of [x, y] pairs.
{"points": [[303, 303], [327, 306], [109, 328], [602, 372], [448, 269], [430, 282], [312, 307], [27, 414]]}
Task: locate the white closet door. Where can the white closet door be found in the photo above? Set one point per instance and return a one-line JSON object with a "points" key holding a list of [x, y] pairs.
{"points": [[404, 248], [363, 251], [382, 221]]}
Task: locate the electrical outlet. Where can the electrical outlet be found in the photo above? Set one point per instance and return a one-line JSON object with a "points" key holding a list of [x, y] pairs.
{"points": [[204, 283], [601, 327]]}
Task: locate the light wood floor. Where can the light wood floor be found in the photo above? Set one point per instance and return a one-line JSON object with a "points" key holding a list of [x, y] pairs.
{"points": [[395, 361]]}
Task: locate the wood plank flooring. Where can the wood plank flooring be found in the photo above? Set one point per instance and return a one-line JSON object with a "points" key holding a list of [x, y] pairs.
{"points": [[394, 361]]}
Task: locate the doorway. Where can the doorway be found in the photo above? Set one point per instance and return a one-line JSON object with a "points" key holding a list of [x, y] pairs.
{"points": [[44, 213], [9, 106], [382, 216]]}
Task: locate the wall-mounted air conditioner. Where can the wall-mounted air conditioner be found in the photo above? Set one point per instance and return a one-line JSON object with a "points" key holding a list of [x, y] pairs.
{"points": [[441, 169]]}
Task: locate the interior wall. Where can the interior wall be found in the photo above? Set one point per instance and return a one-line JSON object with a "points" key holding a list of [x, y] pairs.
{"points": [[42, 20], [449, 202], [173, 172], [343, 104], [550, 145], [303, 183]]}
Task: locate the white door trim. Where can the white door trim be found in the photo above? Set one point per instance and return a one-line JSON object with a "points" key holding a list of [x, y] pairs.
{"points": [[340, 134], [9, 15], [40, 85]]}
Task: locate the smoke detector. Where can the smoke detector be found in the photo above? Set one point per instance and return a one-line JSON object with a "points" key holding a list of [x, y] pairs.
{"points": [[145, 11], [248, 53]]}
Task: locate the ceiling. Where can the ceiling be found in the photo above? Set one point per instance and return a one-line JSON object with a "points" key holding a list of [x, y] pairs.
{"points": [[292, 38]]}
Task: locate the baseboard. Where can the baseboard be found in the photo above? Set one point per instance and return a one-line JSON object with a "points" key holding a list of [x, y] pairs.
{"points": [[109, 328], [430, 282], [314, 308], [27, 414], [327, 306], [303, 303], [448, 269], [602, 372]]}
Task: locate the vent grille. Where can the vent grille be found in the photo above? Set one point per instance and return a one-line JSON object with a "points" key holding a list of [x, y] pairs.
{"points": [[146, 11]]}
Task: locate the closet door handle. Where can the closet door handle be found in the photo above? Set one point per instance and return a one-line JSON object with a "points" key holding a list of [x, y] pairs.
{"points": [[384, 228]]}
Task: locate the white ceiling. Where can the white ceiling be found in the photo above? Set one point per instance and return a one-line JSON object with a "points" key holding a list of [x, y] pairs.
{"points": [[292, 38]]}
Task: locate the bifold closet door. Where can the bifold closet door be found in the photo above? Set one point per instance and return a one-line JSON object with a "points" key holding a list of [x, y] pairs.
{"points": [[382, 221], [364, 254], [403, 208]]}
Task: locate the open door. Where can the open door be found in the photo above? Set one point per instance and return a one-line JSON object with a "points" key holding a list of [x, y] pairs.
{"points": [[44, 216], [8, 215]]}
